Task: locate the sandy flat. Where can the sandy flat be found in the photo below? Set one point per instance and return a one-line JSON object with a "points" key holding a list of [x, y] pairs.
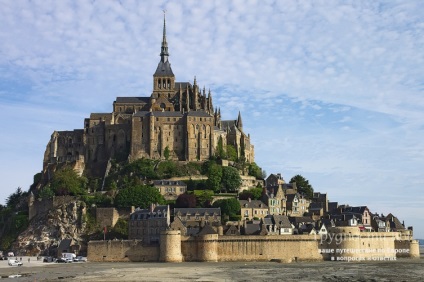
{"points": [[399, 270]]}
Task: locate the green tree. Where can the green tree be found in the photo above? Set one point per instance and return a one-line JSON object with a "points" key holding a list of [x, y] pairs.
{"points": [[255, 170], [252, 193], [166, 153], [46, 192], [14, 199], [214, 177], [67, 182], [303, 185], [139, 196], [220, 152], [231, 153], [231, 180], [203, 197], [229, 207]]}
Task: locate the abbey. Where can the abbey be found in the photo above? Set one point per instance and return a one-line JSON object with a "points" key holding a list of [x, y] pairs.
{"points": [[177, 121]]}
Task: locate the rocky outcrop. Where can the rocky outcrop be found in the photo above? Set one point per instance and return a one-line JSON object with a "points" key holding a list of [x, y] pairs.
{"points": [[46, 230]]}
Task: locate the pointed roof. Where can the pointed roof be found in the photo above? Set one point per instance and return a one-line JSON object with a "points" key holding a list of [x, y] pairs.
{"points": [[164, 67], [239, 121]]}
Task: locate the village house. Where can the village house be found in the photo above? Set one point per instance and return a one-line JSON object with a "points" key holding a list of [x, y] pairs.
{"points": [[253, 209], [191, 221], [170, 189], [297, 205], [278, 225], [146, 224], [276, 200]]}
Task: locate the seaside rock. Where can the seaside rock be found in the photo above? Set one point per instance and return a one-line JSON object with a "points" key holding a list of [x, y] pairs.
{"points": [[46, 230]]}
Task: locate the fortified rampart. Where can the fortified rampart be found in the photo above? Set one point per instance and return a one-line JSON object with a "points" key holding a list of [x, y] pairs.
{"points": [[339, 244]]}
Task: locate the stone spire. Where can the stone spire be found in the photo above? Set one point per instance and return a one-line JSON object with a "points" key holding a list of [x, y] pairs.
{"points": [[164, 49], [239, 122], [164, 67]]}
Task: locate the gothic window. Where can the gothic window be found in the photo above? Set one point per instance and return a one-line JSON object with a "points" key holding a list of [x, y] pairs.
{"points": [[159, 83]]}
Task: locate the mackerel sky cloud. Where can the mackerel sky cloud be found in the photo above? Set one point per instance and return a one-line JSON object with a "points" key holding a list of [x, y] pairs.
{"points": [[331, 90]]}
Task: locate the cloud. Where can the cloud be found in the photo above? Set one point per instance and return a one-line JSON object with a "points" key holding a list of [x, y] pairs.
{"points": [[329, 89]]}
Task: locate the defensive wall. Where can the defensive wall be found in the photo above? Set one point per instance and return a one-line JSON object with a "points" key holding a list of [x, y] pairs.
{"points": [[109, 216], [345, 244]]}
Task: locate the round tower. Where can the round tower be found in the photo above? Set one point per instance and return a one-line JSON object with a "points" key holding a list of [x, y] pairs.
{"points": [[170, 246], [207, 246]]}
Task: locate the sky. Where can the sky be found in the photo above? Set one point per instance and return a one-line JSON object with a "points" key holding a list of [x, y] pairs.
{"points": [[331, 90]]}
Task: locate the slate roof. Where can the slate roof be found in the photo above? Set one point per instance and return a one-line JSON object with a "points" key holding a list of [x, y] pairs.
{"points": [[183, 85], [145, 100], [199, 211], [394, 222], [65, 244], [166, 182], [253, 204], [315, 206], [207, 229], [281, 221], [158, 212], [164, 69], [357, 210], [252, 229]]}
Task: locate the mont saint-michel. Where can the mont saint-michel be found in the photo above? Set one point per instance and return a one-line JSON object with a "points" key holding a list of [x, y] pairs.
{"points": [[164, 178]]}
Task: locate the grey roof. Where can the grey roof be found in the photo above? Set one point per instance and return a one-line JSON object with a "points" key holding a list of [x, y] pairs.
{"points": [[358, 210], [200, 211], [268, 221], [281, 221], [183, 85], [207, 229], [169, 182], [64, 244], [315, 206], [144, 100], [228, 124], [252, 204], [158, 212], [252, 229], [164, 69]]}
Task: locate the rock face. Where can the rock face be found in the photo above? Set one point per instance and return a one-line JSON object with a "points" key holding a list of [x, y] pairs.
{"points": [[47, 229]]}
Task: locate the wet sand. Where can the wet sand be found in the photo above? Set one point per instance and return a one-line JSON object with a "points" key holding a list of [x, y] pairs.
{"points": [[399, 270]]}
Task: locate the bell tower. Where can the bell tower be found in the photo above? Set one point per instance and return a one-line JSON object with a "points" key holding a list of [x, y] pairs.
{"points": [[163, 78]]}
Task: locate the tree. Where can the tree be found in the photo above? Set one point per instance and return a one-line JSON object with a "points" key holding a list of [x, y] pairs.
{"points": [[220, 149], [231, 180], [186, 201], [203, 197], [139, 196], [231, 153], [214, 177], [303, 186], [255, 170], [67, 182], [229, 207], [252, 193], [166, 153], [46, 193], [13, 200]]}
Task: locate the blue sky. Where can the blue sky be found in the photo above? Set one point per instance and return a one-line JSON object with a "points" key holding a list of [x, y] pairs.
{"points": [[331, 90]]}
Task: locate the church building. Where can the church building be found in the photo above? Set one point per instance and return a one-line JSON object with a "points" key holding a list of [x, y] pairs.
{"points": [[177, 121]]}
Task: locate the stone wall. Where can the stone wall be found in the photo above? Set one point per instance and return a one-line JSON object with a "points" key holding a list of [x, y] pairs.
{"points": [[126, 250], [284, 248]]}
